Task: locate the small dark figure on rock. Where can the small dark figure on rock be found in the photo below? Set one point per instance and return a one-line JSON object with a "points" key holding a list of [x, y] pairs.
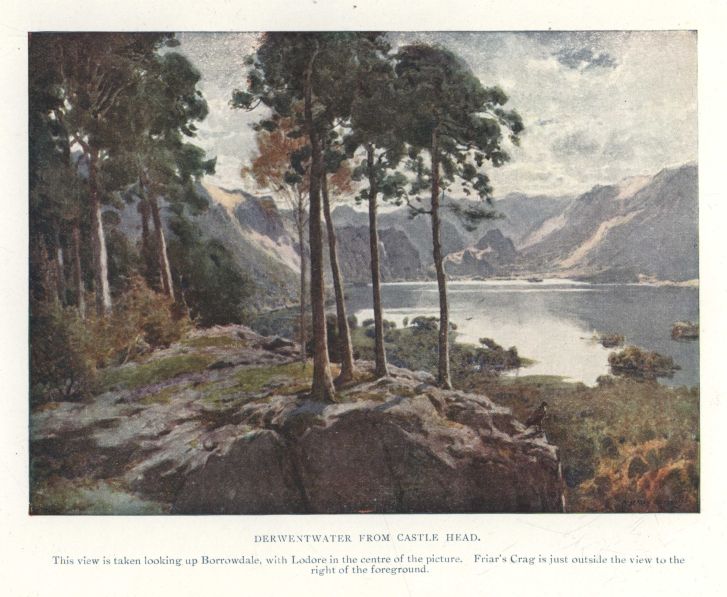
{"points": [[537, 417]]}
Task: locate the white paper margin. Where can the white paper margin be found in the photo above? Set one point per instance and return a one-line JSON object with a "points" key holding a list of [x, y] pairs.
{"points": [[28, 543]]}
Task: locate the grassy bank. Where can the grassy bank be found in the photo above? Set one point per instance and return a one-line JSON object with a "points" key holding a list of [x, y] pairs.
{"points": [[626, 445]]}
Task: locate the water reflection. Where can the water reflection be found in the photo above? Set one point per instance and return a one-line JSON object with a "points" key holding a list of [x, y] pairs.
{"points": [[554, 321]]}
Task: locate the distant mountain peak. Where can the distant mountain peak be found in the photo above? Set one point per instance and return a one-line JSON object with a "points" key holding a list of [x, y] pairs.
{"points": [[628, 187], [644, 225], [229, 199]]}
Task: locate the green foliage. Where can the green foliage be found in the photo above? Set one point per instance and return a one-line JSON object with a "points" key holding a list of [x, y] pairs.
{"points": [[461, 124], [490, 357], [160, 116], [91, 75], [611, 340], [388, 325], [211, 284], [374, 125], [130, 109], [279, 322], [66, 351], [61, 363], [133, 375], [415, 347], [124, 261], [641, 364], [285, 63], [421, 323], [334, 350]]}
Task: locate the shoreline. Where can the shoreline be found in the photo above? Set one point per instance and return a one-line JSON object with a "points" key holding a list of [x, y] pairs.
{"points": [[546, 278]]}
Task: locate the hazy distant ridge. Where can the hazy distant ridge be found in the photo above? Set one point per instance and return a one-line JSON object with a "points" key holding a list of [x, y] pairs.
{"points": [[642, 226]]}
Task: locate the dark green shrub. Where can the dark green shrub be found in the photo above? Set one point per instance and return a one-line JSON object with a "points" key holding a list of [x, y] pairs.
{"points": [[211, 284], [611, 340], [641, 364], [422, 323], [66, 351], [61, 367], [685, 330]]}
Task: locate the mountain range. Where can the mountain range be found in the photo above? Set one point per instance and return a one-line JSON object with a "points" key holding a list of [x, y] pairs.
{"points": [[644, 227]]}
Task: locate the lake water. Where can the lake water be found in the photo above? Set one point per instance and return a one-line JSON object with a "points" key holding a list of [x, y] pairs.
{"points": [[553, 321]]}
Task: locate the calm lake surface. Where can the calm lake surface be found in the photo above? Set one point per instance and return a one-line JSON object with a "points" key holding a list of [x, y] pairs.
{"points": [[553, 321]]}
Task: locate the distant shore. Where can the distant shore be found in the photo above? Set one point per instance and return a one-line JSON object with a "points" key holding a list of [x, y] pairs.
{"points": [[642, 281]]}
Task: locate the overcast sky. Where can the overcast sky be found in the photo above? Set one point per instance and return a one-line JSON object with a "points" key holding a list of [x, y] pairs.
{"points": [[598, 106]]}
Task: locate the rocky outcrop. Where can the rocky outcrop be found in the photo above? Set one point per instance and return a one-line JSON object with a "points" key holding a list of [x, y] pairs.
{"points": [[261, 215], [501, 247], [245, 440], [685, 330], [493, 254], [396, 451], [398, 256], [469, 263]]}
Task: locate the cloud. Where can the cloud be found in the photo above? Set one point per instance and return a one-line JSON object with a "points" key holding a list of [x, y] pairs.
{"points": [[585, 59], [620, 146], [575, 144], [598, 105]]}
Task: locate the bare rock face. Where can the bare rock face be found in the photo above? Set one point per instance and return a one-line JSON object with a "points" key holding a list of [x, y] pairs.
{"points": [[400, 258], [245, 439], [398, 452], [263, 483]]}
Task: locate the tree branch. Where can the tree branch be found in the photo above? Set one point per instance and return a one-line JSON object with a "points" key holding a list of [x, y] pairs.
{"points": [[417, 211]]}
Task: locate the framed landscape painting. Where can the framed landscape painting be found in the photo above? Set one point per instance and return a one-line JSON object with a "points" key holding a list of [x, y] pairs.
{"points": [[351, 272]]}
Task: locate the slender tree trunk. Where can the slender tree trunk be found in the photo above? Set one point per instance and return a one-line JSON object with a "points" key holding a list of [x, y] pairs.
{"points": [[322, 385], [78, 272], [144, 211], [165, 271], [98, 242], [47, 272], [60, 270], [344, 333], [381, 369], [147, 251], [300, 222], [443, 368]]}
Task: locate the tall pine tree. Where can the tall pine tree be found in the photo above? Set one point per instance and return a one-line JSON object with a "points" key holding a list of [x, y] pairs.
{"points": [[460, 125], [315, 71]]}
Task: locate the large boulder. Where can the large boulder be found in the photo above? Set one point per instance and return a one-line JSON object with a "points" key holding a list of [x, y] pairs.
{"points": [[396, 451]]}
